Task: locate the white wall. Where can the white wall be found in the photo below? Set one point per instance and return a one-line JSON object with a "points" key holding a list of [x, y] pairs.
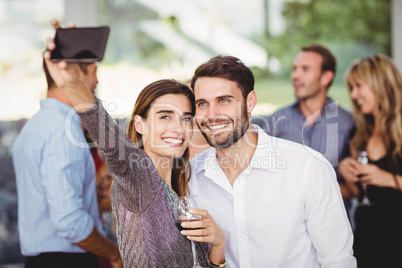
{"points": [[81, 13]]}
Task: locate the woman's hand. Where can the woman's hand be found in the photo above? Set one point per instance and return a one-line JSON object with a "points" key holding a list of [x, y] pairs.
{"points": [[208, 231], [62, 73], [373, 175], [67, 77], [348, 168]]}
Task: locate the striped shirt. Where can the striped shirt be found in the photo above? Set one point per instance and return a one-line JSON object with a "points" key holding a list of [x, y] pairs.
{"points": [[327, 135], [55, 175]]}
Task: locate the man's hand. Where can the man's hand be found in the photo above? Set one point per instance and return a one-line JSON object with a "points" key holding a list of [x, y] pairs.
{"points": [[101, 246], [118, 263]]}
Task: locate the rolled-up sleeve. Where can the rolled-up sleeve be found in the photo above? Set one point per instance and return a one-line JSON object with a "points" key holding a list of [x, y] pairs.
{"points": [[63, 180]]}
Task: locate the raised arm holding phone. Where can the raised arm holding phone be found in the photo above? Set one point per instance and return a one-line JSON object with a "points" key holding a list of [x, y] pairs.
{"points": [[145, 189]]}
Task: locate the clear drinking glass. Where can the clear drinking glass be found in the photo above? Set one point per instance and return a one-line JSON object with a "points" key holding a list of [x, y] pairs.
{"points": [[182, 214], [363, 159]]}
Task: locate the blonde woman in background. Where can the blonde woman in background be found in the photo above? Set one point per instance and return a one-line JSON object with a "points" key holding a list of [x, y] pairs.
{"points": [[375, 86]]}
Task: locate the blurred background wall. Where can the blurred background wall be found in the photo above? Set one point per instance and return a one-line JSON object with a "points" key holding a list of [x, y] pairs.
{"points": [[153, 39]]}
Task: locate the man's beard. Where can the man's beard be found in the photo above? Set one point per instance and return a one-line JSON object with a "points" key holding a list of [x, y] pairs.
{"points": [[224, 139]]}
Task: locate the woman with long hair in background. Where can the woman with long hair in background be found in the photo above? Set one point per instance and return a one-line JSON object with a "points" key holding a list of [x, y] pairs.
{"points": [[375, 88]]}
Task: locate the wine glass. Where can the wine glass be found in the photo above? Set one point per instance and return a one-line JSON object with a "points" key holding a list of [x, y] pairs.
{"points": [[182, 214], [363, 159]]}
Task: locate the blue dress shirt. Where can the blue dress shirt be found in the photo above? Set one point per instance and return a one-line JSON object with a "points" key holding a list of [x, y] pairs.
{"points": [[327, 135], [55, 175]]}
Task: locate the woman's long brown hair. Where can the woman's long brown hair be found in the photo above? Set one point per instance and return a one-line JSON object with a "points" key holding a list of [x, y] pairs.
{"points": [[181, 170]]}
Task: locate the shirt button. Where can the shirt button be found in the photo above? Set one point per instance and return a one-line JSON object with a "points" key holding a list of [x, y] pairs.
{"points": [[242, 236]]}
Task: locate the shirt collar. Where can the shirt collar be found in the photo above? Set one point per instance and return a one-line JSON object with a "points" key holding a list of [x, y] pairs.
{"points": [[296, 106], [264, 156], [330, 107], [54, 104]]}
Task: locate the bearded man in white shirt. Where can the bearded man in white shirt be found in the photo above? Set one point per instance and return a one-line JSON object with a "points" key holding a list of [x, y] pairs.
{"points": [[277, 201]]}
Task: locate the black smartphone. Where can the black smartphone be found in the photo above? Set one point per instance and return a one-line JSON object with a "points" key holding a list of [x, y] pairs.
{"points": [[85, 44]]}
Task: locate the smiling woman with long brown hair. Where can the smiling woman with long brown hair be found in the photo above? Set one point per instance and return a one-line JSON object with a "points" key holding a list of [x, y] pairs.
{"points": [[375, 87], [145, 188]]}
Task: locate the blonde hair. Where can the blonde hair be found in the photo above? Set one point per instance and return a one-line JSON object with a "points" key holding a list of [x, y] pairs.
{"points": [[385, 81], [181, 169]]}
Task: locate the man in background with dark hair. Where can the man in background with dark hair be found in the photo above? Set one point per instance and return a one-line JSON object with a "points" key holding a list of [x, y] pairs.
{"points": [[314, 120], [58, 216]]}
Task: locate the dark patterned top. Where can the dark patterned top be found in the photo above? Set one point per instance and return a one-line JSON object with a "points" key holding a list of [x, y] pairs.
{"points": [[141, 200]]}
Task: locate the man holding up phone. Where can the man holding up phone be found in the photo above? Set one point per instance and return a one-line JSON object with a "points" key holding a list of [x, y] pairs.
{"points": [[59, 223]]}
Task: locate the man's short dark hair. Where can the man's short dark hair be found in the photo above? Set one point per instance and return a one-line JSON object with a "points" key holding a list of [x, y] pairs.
{"points": [[49, 79], [227, 67], [328, 60]]}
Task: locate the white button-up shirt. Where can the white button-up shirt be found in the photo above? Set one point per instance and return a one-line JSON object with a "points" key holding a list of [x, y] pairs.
{"points": [[284, 210]]}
